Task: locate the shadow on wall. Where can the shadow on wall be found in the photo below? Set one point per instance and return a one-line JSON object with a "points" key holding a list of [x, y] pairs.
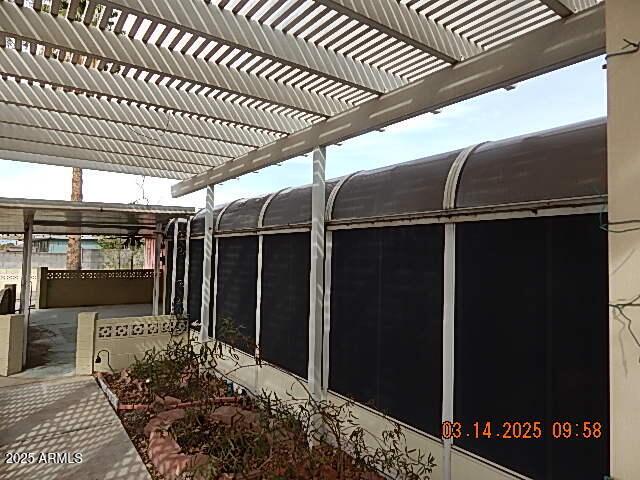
{"points": [[8, 300]]}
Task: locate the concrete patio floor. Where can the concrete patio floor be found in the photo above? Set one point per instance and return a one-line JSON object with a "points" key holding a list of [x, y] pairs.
{"points": [[65, 416], [52, 338]]}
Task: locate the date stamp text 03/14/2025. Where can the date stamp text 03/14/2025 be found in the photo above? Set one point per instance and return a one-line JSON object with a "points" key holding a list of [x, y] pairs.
{"points": [[526, 430]]}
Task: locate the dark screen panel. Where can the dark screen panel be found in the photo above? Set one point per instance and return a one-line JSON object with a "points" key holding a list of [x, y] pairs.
{"points": [[196, 256], [355, 294], [284, 316], [578, 335], [500, 336], [386, 321], [181, 252], [236, 301], [531, 340]]}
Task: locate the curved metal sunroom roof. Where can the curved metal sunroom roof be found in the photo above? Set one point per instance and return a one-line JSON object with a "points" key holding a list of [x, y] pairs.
{"points": [[559, 163], [416, 186], [563, 163]]}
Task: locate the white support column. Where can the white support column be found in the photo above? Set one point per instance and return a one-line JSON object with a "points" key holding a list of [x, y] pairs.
{"points": [[448, 358], [258, 318], [259, 297], [156, 269], [623, 144], [449, 304], [206, 266], [185, 278], [25, 292], [316, 280]]}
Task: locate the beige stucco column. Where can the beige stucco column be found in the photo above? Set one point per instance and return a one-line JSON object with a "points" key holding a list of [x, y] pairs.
{"points": [[623, 21]]}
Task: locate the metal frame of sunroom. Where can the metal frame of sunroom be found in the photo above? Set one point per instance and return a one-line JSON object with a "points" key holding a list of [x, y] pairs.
{"points": [[205, 91]]}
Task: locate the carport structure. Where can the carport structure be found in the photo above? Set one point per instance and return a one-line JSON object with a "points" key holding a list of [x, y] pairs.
{"points": [[205, 91], [28, 216]]}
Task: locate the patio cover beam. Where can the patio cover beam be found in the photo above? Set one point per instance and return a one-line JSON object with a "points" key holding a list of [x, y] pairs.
{"points": [[162, 123], [398, 21], [63, 122], [217, 24], [36, 152], [75, 37], [137, 155], [553, 46], [76, 77], [174, 146], [565, 8], [10, 127]]}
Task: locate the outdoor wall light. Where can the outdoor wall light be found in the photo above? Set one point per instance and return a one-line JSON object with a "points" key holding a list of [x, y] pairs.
{"points": [[98, 359]]}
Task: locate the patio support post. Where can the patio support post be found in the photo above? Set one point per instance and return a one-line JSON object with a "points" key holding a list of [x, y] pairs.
{"points": [[316, 280], [448, 305], [185, 278], [206, 266], [25, 290], [157, 269], [623, 163]]}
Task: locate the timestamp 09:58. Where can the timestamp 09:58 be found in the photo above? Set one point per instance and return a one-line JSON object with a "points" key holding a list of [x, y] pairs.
{"points": [[525, 430]]}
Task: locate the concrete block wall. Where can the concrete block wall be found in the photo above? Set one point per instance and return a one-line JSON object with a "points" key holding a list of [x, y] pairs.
{"points": [[119, 341], [63, 288], [11, 344]]}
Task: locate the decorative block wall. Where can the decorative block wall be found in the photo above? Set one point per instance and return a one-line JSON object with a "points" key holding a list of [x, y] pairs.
{"points": [[118, 341], [66, 288]]}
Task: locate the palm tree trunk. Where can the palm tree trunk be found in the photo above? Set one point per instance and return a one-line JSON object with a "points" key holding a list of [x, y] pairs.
{"points": [[74, 253]]}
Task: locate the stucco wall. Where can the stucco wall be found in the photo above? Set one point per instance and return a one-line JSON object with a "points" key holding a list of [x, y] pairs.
{"points": [[11, 341], [622, 20]]}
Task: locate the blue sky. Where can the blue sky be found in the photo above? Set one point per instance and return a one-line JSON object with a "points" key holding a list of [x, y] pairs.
{"points": [[562, 97]]}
